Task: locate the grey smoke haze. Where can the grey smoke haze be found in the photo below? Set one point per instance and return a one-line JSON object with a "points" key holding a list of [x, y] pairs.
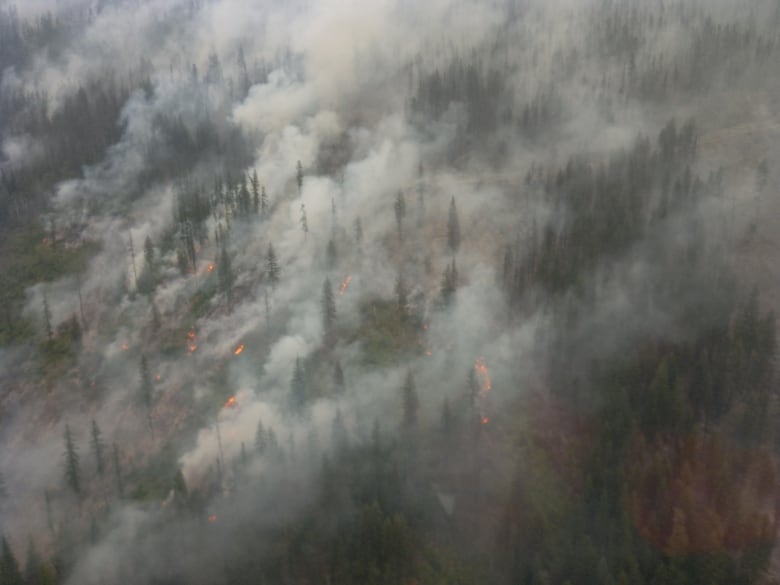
{"points": [[339, 72]]}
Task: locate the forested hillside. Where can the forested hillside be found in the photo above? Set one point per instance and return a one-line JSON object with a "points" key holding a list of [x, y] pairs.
{"points": [[390, 292]]}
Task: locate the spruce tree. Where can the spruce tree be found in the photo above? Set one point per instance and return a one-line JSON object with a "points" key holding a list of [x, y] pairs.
{"points": [[120, 486], [72, 473], [331, 255], [400, 213], [453, 228], [255, 186], [304, 221], [272, 266], [261, 438], [411, 403], [98, 447], [263, 203], [401, 295], [47, 319], [147, 389], [338, 377], [225, 274], [328, 305], [298, 387], [10, 574], [299, 176], [149, 253]]}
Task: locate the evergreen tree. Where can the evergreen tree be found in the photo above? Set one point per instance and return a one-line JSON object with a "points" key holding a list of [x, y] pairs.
{"points": [[72, 473], [358, 232], [254, 182], [10, 574], [225, 275], [261, 438], [411, 403], [453, 228], [331, 255], [149, 253], [272, 269], [33, 567], [400, 212], [304, 221], [244, 198], [299, 176], [298, 387], [328, 305], [338, 377], [401, 295], [47, 319], [179, 486], [97, 447], [339, 434], [446, 417], [147, 388], [120, 486], [263, 203], [449, 283]]}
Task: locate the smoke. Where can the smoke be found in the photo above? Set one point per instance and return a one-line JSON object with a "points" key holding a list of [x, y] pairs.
{"points": [[339, 77]]}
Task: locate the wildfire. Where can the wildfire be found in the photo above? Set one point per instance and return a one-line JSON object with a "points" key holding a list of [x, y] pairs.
{"points": [[210, 267], [213, 518], [191, 337], [484, 420], [231, 402], [345, 284], [484, 376], [428, 352], [239, 350], [158, 377], [125, 347]]}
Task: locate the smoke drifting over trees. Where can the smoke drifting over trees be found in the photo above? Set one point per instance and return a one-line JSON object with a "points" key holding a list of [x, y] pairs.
{"points": [[459, 291]]}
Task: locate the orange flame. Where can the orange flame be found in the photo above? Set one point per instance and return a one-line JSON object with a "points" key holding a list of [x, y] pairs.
{"points": [[345, 284], [213, 518], [157, 377], [484, 376], [428, 352], [191, 345], [484, 420], [231, 402], [125, 347], [238, 350], [210, 267]]}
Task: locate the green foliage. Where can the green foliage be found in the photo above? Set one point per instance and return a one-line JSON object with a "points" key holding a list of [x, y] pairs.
{"points": [[386, 339], [27, 257]]}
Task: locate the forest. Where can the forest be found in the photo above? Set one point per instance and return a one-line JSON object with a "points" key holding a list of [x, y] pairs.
{"points": [[389, 293]]}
